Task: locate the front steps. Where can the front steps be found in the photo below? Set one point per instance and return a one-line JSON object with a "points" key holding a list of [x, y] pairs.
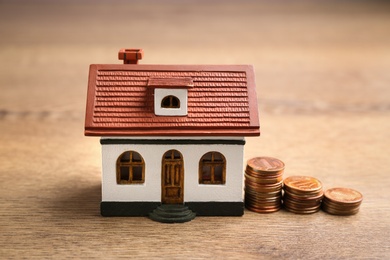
{"points": [[172, 213]]}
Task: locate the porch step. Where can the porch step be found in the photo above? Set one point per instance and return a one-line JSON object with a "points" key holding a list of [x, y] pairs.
{"points": [[172, 213]]}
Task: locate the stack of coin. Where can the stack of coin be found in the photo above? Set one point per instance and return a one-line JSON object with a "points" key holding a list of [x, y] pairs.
{"points": [[302, 194], [263, 184], [342, 201]]}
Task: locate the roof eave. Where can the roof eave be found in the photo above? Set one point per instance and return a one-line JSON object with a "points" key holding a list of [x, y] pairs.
{"points": [[162, 132]]}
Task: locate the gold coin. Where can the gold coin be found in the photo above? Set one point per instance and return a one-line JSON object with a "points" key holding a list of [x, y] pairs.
{"points": [[302, 184]]}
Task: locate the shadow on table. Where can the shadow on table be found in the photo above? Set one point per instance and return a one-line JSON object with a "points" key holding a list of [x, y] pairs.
{"points": [[80, 201]]}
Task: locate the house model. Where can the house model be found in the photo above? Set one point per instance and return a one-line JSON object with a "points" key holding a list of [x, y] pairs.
{"points": [[172, 136]]}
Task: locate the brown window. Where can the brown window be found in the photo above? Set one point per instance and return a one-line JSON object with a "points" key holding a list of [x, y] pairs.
{"points": [[212, 168], [170, 102], [130, 168]]}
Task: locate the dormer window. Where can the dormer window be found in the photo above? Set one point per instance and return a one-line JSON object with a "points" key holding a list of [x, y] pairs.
{"points": [[170, 95], [170, 102]]}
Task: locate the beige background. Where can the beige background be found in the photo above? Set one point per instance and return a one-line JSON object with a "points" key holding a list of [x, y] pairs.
{"points": [[323, 80]]}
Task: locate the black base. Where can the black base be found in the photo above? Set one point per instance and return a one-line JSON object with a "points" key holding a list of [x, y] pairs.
{"points": [[131, 209], [136, 209]]}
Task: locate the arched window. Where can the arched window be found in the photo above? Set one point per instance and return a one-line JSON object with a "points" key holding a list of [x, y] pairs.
{"points": [[212, 168], [170, 102], [130, 168]]}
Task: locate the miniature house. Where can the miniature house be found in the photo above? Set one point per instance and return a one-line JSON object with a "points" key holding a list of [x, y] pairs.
{"points": [[171, 134]]}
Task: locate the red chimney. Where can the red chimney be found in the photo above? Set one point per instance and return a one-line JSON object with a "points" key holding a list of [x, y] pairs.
{"points": [[130, 56]]}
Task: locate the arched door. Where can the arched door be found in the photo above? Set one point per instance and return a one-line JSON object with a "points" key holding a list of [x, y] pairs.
{"points": [[172, 178]]}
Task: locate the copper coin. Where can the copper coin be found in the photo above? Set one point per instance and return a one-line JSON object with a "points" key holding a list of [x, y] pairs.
{"points": [[277, 185], [301, 206], [343, 196], [262, 189], [303, 197], [302, 194], [304, 184], [311, 211], [263, 194], [270, 210], [340, 206], [263, 207], [341, 210], [249, 201], [333, 211], [263, 200], [263, 180], [263, 174], [252, 201], [265, 164]]}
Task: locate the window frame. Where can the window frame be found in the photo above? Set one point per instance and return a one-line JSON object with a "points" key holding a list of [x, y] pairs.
{"points": [[161, 93], [131, 164], [213, 164]]}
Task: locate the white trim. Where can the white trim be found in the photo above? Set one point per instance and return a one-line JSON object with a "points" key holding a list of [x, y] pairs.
{"points": [[160, 93]]}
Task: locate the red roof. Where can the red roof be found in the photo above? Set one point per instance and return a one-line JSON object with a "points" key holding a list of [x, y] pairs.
{"points": [[222, 101]]}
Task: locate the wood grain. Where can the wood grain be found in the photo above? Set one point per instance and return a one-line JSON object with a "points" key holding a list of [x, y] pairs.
{"points": [[322, 73]]}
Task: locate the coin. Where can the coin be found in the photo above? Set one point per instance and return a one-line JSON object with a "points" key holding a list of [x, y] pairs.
{"points": [[344, 196], [257, 210], [339, 212], [305, 197], [263, 184], [265, 164], [303, 211], [263, 180], [302, 194], [305, 184], [342, 201]]}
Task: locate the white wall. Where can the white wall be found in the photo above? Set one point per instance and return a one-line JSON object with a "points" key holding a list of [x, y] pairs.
{"points": [[151, 189]]}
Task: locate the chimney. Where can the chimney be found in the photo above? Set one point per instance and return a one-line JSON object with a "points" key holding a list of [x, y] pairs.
{"points": [[130, 56]]}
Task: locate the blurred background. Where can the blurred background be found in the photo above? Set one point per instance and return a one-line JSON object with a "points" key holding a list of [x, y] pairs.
{"points": [[47, 46], [323, 85]]}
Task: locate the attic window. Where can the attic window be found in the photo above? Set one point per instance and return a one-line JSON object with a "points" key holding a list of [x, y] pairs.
{"points": [[170, 102], [170, 95]]}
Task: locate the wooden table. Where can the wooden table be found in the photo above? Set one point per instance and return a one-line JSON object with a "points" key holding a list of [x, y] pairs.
{"points": [[323, 80]]}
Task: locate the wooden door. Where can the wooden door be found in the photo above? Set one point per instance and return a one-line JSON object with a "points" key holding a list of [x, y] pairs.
{"points": [[172, 178]]}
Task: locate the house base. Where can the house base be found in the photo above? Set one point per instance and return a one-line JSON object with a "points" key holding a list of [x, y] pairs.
{"points": [[137, 209]]}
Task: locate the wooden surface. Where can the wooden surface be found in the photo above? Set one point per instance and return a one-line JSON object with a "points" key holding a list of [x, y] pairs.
{"points": [[323, 80]]}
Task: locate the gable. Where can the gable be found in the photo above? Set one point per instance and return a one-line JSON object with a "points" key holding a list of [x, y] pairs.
{"points": [[221, 100]]}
